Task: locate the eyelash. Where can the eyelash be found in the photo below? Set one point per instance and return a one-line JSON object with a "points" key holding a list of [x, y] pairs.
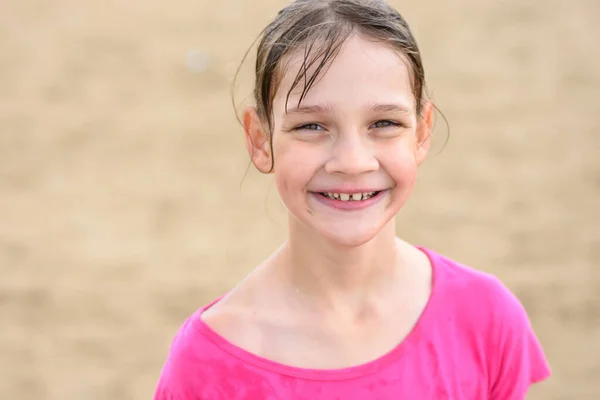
{"points": [[315, 127], [306, 127], [389, 123]]}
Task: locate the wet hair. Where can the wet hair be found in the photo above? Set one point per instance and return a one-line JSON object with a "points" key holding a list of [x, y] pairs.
{"points": [[319, 28]]}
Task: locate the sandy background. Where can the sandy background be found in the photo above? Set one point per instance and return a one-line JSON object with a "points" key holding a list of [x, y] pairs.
{"points": [[122, 207]]}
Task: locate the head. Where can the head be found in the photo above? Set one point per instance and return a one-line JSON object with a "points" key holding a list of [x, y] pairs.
{"points": [[341, 116]]}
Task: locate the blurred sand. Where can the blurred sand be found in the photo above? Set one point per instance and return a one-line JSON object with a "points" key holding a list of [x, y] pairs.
{"points": [[120, 170]]}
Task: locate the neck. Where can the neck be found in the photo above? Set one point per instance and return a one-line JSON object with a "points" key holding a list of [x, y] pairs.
{"points": [[338, 277]]}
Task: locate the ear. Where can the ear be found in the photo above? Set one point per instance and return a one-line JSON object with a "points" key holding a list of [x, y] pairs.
{"points": [[424, 125], [257, 140]]}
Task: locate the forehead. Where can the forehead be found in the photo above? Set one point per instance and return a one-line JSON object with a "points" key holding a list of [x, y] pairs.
{"points": [[363, 72]]}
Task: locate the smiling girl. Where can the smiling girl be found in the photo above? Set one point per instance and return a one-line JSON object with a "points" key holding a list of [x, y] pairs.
{"points": [[344, 309]]}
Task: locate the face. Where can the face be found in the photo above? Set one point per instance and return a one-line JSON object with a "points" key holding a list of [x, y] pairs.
{"points": [[345, 159]]}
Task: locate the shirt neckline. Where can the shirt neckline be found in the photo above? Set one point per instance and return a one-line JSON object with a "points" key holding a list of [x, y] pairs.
{"points": [[353, 372]]}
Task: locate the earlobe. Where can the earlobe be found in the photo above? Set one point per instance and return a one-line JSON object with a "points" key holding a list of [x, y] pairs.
{"points": [[257, 140]]}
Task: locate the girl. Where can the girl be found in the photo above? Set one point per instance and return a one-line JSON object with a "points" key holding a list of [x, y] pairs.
{"points": [[344, 309]]}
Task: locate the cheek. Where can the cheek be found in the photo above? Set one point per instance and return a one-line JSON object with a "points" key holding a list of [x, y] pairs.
{"points": [[400, 163], [294, 167]]}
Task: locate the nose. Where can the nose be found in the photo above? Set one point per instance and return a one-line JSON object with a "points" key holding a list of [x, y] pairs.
{"points": [[351, 155]]}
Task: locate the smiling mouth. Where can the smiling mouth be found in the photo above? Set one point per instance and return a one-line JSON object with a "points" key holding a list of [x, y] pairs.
{"points": [[349, 197]]}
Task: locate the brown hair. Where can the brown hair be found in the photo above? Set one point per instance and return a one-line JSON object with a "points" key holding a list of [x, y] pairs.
{"points": [[320, 27]]}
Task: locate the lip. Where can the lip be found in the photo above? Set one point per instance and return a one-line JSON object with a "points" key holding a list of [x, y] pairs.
{"points": [[348, 190], [350, 205]]}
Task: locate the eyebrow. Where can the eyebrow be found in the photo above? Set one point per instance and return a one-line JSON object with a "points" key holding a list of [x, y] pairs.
{"points": [[316, 109], [319, 109], [391, 108]]}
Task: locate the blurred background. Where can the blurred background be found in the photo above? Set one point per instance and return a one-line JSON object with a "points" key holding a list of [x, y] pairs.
{"points": [[124, 204]]}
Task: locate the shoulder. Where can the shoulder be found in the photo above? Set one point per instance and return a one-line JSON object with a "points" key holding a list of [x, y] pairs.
{"points": [[478, 293], [192, 360], [479, 297], [498, 321], [202, 364]]}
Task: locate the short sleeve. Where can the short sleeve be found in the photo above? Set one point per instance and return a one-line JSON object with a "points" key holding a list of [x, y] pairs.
{"points": [[518, 360]]}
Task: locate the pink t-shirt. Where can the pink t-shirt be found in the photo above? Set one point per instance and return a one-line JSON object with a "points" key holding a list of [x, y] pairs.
{"points": [[473, 341]]}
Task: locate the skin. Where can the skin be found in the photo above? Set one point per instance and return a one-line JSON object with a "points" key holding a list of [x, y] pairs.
{"points": [[343, 289]]}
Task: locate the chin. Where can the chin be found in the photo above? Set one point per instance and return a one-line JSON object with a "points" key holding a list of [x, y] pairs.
{"points": [[352, 242], [349, 237]]}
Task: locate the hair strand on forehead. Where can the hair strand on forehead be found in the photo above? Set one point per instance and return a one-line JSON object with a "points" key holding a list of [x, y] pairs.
{"points": [[331, 46]]}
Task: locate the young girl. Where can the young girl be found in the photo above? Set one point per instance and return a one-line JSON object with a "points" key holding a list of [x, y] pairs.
{"points": [[344, 309]]}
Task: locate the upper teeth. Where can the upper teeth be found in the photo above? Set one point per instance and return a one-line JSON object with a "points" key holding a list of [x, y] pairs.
{"points": [[350, 197]]}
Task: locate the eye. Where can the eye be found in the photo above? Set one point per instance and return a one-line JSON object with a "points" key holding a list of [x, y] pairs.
{"points": [[386, 124], [309, 127]]}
